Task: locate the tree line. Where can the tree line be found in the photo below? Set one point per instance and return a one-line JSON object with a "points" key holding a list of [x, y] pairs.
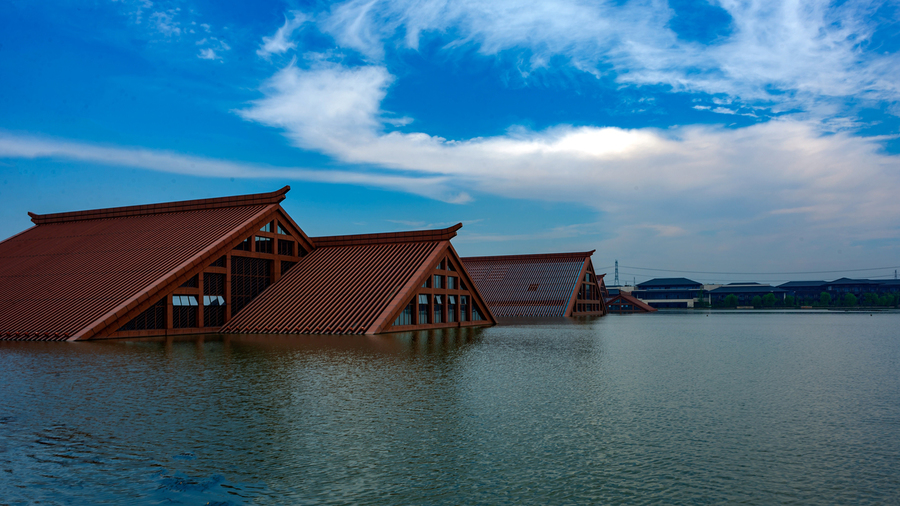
{"points": [[870, 299]]}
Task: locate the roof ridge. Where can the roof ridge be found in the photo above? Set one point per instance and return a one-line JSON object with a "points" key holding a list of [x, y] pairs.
{"points": [[164, 207], [444, 234], [535, 256]]}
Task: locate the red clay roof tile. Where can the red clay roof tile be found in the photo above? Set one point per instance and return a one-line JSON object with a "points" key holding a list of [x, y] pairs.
{"points": [[166, 207]]}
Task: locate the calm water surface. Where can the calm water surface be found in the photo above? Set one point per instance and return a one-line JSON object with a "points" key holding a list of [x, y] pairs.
{"points": [[663, 408]]}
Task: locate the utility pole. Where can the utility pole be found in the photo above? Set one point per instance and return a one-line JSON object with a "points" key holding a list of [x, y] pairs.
{"points": [[616, 281]]}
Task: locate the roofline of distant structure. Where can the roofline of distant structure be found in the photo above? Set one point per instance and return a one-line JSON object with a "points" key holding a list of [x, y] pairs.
{"points": [[444, 234], [167, 207], [537, 256]]}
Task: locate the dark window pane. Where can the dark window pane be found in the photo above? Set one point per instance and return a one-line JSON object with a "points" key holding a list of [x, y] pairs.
{"points": [[194, 282], [184, 311], [244, 245], [286, 265], [249, 277], [285, 248], [423, 309], [405, 316], [213, 284], [154, 317], [263, 244]]}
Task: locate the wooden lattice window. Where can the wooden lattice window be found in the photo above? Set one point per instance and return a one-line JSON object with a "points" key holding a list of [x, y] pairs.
{"points": [[285, 248], [249, 277], [184, 311], [154, 317]]}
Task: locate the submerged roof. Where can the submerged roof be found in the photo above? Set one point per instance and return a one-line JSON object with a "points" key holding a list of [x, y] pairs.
{"points": [[347, 285], [634, 301], [527, 285], [75, 273]]}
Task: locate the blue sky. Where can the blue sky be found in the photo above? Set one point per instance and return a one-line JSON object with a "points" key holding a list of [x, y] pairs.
{"points": [[734, 137]]}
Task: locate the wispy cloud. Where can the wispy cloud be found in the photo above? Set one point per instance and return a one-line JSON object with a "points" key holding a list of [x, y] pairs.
{"points": [[165, 22], [29, 147], [209, 46], [281, 41], [208, 54], [790, 53]]}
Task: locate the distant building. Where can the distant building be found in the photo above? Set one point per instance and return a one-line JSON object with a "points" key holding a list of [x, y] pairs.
{"points": [[812, 290], [745, 292], [668, 292], [842, 286], [802, 290], [543, 285]]}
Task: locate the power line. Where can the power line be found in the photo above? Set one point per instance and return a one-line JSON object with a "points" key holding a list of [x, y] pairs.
{"points": [[645, 276], [759, 273]]}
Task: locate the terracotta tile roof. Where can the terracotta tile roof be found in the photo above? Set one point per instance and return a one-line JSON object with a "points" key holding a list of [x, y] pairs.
{"points": [[527, 285], [75, 272], [258, 199], [344, 286], [389, 238]]}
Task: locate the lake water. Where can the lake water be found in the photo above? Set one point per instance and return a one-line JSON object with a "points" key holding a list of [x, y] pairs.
{"points": [[745, 407]]}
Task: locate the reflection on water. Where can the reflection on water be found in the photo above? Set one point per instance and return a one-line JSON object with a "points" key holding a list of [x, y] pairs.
{"points": [[675, 408]]}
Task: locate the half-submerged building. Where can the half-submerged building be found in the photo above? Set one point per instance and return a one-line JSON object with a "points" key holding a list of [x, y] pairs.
{"points": [[623, 302], [194, 266], [545, 285], [369, 284]]}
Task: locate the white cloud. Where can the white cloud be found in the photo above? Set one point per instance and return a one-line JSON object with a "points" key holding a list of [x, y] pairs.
{"points": [[165, 22], [813, 51], [280, 42], [695, 176], [328, 106], [213, 44], [208, 54]]}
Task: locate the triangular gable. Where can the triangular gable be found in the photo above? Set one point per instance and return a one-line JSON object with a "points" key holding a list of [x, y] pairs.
{"points": [[278, 227], [456, 305], [74, 274], [348, 285], [539, 285], [587, 295], [625, 303]]}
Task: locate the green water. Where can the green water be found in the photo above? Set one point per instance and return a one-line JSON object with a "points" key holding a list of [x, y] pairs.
{"points": [[752, 408]]}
